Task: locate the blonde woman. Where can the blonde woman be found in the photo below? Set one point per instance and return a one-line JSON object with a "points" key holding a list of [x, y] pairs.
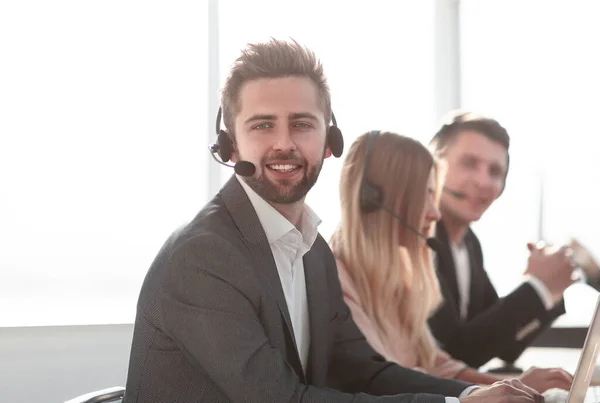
{"points": [[389, 190]]}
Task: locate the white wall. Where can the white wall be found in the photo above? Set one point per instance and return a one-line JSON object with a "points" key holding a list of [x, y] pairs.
{"points": [[103, 151], [54, 364]]}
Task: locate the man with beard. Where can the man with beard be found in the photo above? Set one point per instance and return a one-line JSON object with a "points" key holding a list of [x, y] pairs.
{"points": [[473, 324], [244, 304]]}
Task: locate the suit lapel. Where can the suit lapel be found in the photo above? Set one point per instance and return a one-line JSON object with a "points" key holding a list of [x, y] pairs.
{"points": [[446, 265], [270, 278], [237, 202], [476, 290], [318, 308]]}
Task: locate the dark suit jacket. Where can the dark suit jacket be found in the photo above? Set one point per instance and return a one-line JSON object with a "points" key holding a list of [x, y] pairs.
{"points": [[212, 324], [494, 327]]}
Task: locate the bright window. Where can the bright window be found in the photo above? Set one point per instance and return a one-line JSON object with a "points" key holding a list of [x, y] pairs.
{"points": [[533, 65], [103, 114]]}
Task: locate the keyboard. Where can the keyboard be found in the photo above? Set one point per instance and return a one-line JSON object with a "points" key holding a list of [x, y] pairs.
{"points": [[560, 396]]}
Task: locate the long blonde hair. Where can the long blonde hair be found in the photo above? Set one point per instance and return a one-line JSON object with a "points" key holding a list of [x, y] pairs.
{"points": [[390, 266]]}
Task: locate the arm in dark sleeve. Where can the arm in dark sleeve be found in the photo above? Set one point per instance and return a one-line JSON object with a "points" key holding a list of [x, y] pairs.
{"points": [[514, 352], [540, 321], [486, 335], [213, 319], [494, 331]]}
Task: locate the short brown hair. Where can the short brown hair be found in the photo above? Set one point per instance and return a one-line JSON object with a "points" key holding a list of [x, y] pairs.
{"points": [[458, 121], [273, 59]]}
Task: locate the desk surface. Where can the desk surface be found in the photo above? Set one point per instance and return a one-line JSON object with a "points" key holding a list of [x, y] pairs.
{"points": [[566, 358]]}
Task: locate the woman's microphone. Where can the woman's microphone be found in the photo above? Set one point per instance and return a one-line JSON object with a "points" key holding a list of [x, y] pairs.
{"points": [[432, 243], [242, 168]]}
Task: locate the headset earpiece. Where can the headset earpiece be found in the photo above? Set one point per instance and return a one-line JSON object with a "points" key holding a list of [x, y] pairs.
{"points": [[335, 141], [225, 145], [371, 195]]}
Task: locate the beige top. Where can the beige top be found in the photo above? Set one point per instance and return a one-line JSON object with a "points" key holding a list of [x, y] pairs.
{"points": [[401, 352]]}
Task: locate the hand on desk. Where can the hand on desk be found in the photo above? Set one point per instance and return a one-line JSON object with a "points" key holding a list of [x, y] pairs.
{"points": [[542, 379], [507, 391]]}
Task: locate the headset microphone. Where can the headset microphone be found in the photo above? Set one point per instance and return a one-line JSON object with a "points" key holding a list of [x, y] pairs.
{"points": [[433, 243], [242, 168]]}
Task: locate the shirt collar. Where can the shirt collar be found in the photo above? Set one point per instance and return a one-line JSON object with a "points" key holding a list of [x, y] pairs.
{"points": [[440, 230], [275, 224]]}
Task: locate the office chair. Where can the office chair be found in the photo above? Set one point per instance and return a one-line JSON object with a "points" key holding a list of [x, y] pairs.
{"points": [[114, 394]]}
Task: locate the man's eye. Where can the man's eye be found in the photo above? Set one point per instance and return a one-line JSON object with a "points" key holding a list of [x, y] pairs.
{"points": [[262, 126], [496, 173], [468, 163], [303, 125]]}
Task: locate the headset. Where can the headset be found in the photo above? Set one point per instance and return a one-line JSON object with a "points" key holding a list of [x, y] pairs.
{"points": [[224, 144], [371, 196]]}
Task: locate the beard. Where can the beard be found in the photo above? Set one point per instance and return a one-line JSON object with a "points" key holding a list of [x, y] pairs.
{"points": [[284, 191]]}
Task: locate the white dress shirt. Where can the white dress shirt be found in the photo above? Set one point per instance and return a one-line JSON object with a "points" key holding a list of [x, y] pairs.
{"points": [[463, 276], [288, 245], [463, 281]]}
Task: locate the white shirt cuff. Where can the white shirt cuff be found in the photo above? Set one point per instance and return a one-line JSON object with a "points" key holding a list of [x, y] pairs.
{"points": [[464, 393], [468, 390], [542, 291]]}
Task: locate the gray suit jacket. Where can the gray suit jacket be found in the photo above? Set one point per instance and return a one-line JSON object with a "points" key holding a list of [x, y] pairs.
{"points": [[212, 324]]}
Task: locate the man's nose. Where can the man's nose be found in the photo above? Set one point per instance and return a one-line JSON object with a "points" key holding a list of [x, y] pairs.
{"points": [[483, 179], [284, 140]]}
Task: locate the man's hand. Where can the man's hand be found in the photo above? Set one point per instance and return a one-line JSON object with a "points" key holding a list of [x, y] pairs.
{"points": [[506, 391], [542, 379], [554, 269]]}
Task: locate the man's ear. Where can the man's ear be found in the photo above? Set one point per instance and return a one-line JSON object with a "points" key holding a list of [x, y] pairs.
{"points": [[233, 152], [327, 152]]}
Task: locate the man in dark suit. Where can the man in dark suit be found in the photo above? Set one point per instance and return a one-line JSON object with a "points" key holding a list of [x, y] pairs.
{"points": [[244, 304], [473, 324]]}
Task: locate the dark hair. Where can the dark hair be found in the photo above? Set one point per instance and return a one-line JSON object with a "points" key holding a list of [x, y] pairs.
{"points": [[458, 121], [273, 59]]}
